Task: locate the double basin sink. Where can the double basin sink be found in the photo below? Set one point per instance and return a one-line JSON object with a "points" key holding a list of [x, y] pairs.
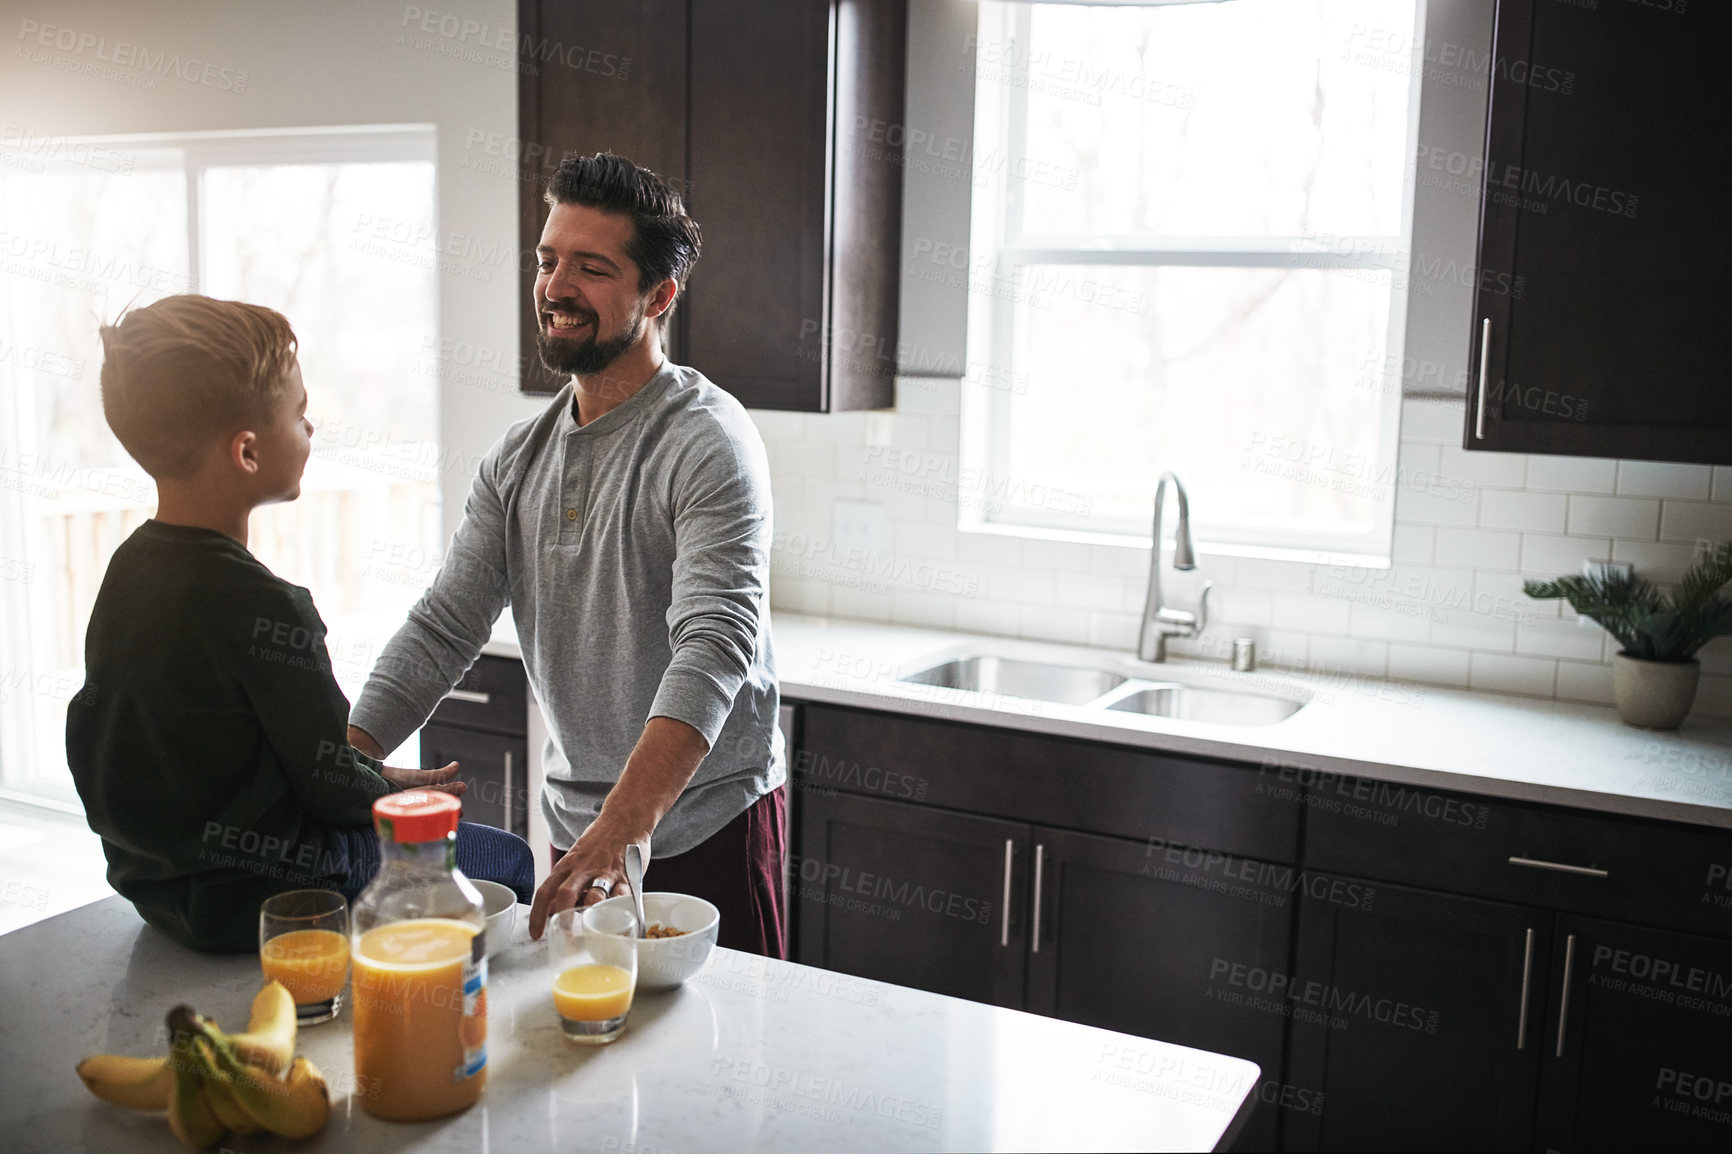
{"points": [[1105, 689]]}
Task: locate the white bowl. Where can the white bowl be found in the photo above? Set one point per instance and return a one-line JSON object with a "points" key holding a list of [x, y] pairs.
{"points": [[501, 913], [665, 963]]}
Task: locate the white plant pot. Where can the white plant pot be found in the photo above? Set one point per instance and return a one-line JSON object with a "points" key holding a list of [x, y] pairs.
{"points": [[1654, 694]]}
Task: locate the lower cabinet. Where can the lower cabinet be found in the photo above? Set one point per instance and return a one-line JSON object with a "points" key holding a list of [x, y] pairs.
{"points": [[496, 768], [1158, 941], [1638, 1040], [899, 893], [1408, 1017]]}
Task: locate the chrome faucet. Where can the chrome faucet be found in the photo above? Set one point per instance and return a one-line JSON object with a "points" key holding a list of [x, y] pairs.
{"points": [[1159, 622]]}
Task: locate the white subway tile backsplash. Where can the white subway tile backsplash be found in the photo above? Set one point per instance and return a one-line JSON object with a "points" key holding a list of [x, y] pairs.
{"points": [[1413, 543], [1478, 548], [1311, 614], [1659, 561], [1430, 664], [1572, 474], [1497, 470], [1376, 622], [1113, 630], [1696, 520], [1518, 509], [996, 618], [1713, 698], [1349, 655], [1023, 586], [1450, 611], [1634, 517], [1545, 556], [1055, 623], [1465, 629], [1560, 639], [1496, 673], [925, 610], [1664, 479], [1442, 505], [1439, 422]]}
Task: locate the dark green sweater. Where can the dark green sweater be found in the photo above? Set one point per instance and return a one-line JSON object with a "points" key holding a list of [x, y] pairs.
{"points": [[209, 742]]}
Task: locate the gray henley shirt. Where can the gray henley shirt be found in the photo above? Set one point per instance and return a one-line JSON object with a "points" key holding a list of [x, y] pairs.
{"points": [[634, 554]]}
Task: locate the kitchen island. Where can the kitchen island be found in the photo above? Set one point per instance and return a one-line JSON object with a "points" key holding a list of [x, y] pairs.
{"points": [[752, 1054]]}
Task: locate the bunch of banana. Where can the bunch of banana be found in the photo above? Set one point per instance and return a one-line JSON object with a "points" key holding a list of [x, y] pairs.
{"points": [[211, 1082]]}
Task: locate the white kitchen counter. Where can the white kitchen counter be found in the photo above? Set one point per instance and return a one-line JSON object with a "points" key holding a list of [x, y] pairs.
{"points": [[750, 1055], [1522, 748]]}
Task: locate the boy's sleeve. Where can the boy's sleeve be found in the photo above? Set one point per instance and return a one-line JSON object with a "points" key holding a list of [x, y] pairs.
{"points": [[448, 626], [286, 674]]}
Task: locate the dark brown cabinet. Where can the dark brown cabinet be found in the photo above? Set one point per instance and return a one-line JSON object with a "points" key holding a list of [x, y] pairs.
{"points": [[1417, 1016], [1411, 968], [1605, 183], [1160, 941], [1637, 1042], [484, 725], [770, 116], [914, 896]]}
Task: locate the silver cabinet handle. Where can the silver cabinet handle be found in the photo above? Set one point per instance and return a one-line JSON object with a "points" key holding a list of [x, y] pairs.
{"points": [[1564, 1001], [1559, 867], [1004, 924], [1484, 372], [1039, 853], [508, 828], [1527, 978], [470, 696]]}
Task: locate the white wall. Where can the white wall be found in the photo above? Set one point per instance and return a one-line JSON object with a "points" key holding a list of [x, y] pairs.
{"points": [[1469, 526], [315, 63]]}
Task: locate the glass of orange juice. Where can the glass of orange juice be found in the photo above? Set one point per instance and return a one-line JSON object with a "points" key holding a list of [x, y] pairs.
{"points": [[594, 954], [304, 944]]}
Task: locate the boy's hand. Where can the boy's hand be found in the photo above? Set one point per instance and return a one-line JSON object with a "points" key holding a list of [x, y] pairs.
{"points": [[439, 779]]}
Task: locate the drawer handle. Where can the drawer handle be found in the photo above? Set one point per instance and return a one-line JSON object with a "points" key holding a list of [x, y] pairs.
{"points": [[1004, 924], [1564, 1001], [1527, 978], [1484, 372], [1039, 853], [1559, 867], [470, 696], [508, 826]]}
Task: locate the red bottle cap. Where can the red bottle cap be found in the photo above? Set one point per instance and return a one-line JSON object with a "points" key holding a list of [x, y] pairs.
{"points": [[416, 815]]}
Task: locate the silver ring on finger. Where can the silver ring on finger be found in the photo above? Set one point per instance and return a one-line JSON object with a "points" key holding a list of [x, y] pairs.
{"points": [[605, 885]]}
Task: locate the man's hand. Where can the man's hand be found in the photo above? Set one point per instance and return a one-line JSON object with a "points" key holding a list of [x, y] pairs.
{"points": [[597, 857], [439, 779], [655, 774]]}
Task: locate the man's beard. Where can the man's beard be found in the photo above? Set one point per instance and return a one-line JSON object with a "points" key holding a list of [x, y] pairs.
{"points": [[589, 356]]}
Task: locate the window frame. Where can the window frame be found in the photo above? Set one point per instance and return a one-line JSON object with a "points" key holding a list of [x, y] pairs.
{"points": [[996, 221]]}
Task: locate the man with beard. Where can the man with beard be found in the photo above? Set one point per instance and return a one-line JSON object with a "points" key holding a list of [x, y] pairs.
{"points": [[628, 527]]}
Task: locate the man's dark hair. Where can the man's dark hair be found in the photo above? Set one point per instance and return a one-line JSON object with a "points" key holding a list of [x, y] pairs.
{"points": [[665, 242]]}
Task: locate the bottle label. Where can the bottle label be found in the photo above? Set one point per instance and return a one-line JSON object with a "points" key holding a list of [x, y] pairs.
{"points": [[473, 1027]]}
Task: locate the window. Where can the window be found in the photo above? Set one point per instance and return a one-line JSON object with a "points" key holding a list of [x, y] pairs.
{"points": [[1190, 229], [332, 228]]}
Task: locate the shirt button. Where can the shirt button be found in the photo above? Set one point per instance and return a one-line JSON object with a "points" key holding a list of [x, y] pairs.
{"points": [[571, 514]]}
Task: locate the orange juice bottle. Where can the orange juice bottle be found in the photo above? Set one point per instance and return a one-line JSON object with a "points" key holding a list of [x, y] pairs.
{"points": [[420, 967]]}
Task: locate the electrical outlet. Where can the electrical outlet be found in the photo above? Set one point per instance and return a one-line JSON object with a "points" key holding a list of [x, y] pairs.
{"points": [[858, 525]]}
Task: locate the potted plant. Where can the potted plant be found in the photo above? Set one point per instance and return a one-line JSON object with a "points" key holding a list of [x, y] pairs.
{"points": [[1654, 675]]}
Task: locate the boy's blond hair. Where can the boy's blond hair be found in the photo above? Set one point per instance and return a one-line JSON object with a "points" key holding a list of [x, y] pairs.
{"points": [[180, 373]]}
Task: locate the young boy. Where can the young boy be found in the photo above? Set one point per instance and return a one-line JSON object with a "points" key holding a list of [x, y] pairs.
{"points": [[209, 741]]}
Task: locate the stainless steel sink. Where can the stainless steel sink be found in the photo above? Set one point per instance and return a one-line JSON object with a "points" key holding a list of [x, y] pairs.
{"points": [[1222, 706], [1065, 684]]}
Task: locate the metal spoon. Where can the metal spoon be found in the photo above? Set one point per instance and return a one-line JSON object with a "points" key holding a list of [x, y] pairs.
{"points": [[634, 855]]}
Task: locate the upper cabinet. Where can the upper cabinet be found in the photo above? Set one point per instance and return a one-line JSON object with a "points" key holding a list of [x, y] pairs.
{"points": [[772, 118], [1602, 321]]}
